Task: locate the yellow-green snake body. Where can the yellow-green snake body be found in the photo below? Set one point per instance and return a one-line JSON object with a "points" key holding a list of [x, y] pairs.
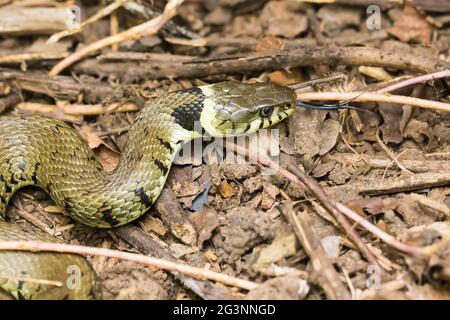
{"points": [[50, 154]]}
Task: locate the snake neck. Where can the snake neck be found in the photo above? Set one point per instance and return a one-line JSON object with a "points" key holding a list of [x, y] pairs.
{"points": [[154, 139]]}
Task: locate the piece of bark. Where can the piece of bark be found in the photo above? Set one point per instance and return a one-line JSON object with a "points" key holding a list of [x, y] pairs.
{"points": [[35, 20], [9, 101], [174, 217], [60, 87], [392, 185], [417, 166]]}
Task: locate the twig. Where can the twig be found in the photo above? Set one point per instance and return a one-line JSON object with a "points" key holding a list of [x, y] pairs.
{"points": [[415, 80], [389, 152], [417, 251], [313, 186], [375, 97], [77, 109], [100, 14], [317, 190], [417, 181], [21, 57], [339, 76], [146, 245], [382, 163], [324, 270], [267, 60], [145, 29], [198, 273], [60, 88], [17, 20]]}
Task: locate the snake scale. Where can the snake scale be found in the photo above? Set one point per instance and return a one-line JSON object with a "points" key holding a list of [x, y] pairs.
{"points": [[50, 154]]}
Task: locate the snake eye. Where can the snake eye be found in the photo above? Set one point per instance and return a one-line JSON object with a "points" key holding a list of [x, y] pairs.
{"points": [[266, 112]]}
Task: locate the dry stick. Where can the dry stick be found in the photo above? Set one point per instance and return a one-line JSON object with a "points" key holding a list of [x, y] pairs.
{"points": [[268, 60], [318, 191], [146, 245], [389, 152], [415, 80], [418, 251], [198, 273], [321, 195], [375, 97], [326, 275], [145, 29], [32, 56], [59, 88], [313, 187], [17, 20]]}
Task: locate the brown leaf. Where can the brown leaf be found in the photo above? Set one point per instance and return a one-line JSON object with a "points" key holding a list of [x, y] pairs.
{"points": [[226, 190], [204, 222], [284, 78], [391, 129], [268, 44], [104, 154], [312, 134], [281, 21], [107, 157], [412, 26]]}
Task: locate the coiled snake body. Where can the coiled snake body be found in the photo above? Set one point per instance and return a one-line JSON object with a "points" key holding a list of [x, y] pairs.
{"points": [[50, 154]]}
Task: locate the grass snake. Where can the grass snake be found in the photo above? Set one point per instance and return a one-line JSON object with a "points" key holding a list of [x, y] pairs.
{"points": [[50, 154]]}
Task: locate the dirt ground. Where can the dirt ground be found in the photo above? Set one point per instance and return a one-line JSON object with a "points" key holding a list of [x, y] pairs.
{"points": [[389, 163]]}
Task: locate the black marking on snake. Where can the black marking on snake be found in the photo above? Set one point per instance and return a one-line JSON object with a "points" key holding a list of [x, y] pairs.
{"points": [[270, 121], [34, 176], [222, 123], [143, 197], [186, 115], [145, 131], [58, 127], [161, 166], [5, 183], [92, 293], [20, 295], [247, 127], [7, 188], [108, 217], [165, 144], [261, 125]]}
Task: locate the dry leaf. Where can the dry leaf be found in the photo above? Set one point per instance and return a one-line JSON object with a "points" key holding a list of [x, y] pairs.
{"points": [[412, 26], [226, 190], [205, 222], [104, 154]]}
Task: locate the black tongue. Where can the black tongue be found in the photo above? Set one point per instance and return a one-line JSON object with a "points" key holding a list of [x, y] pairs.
{"points": [[326, 107]]}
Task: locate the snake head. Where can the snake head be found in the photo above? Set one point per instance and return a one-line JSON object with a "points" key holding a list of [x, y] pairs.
{"points": [[233, 108]]}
